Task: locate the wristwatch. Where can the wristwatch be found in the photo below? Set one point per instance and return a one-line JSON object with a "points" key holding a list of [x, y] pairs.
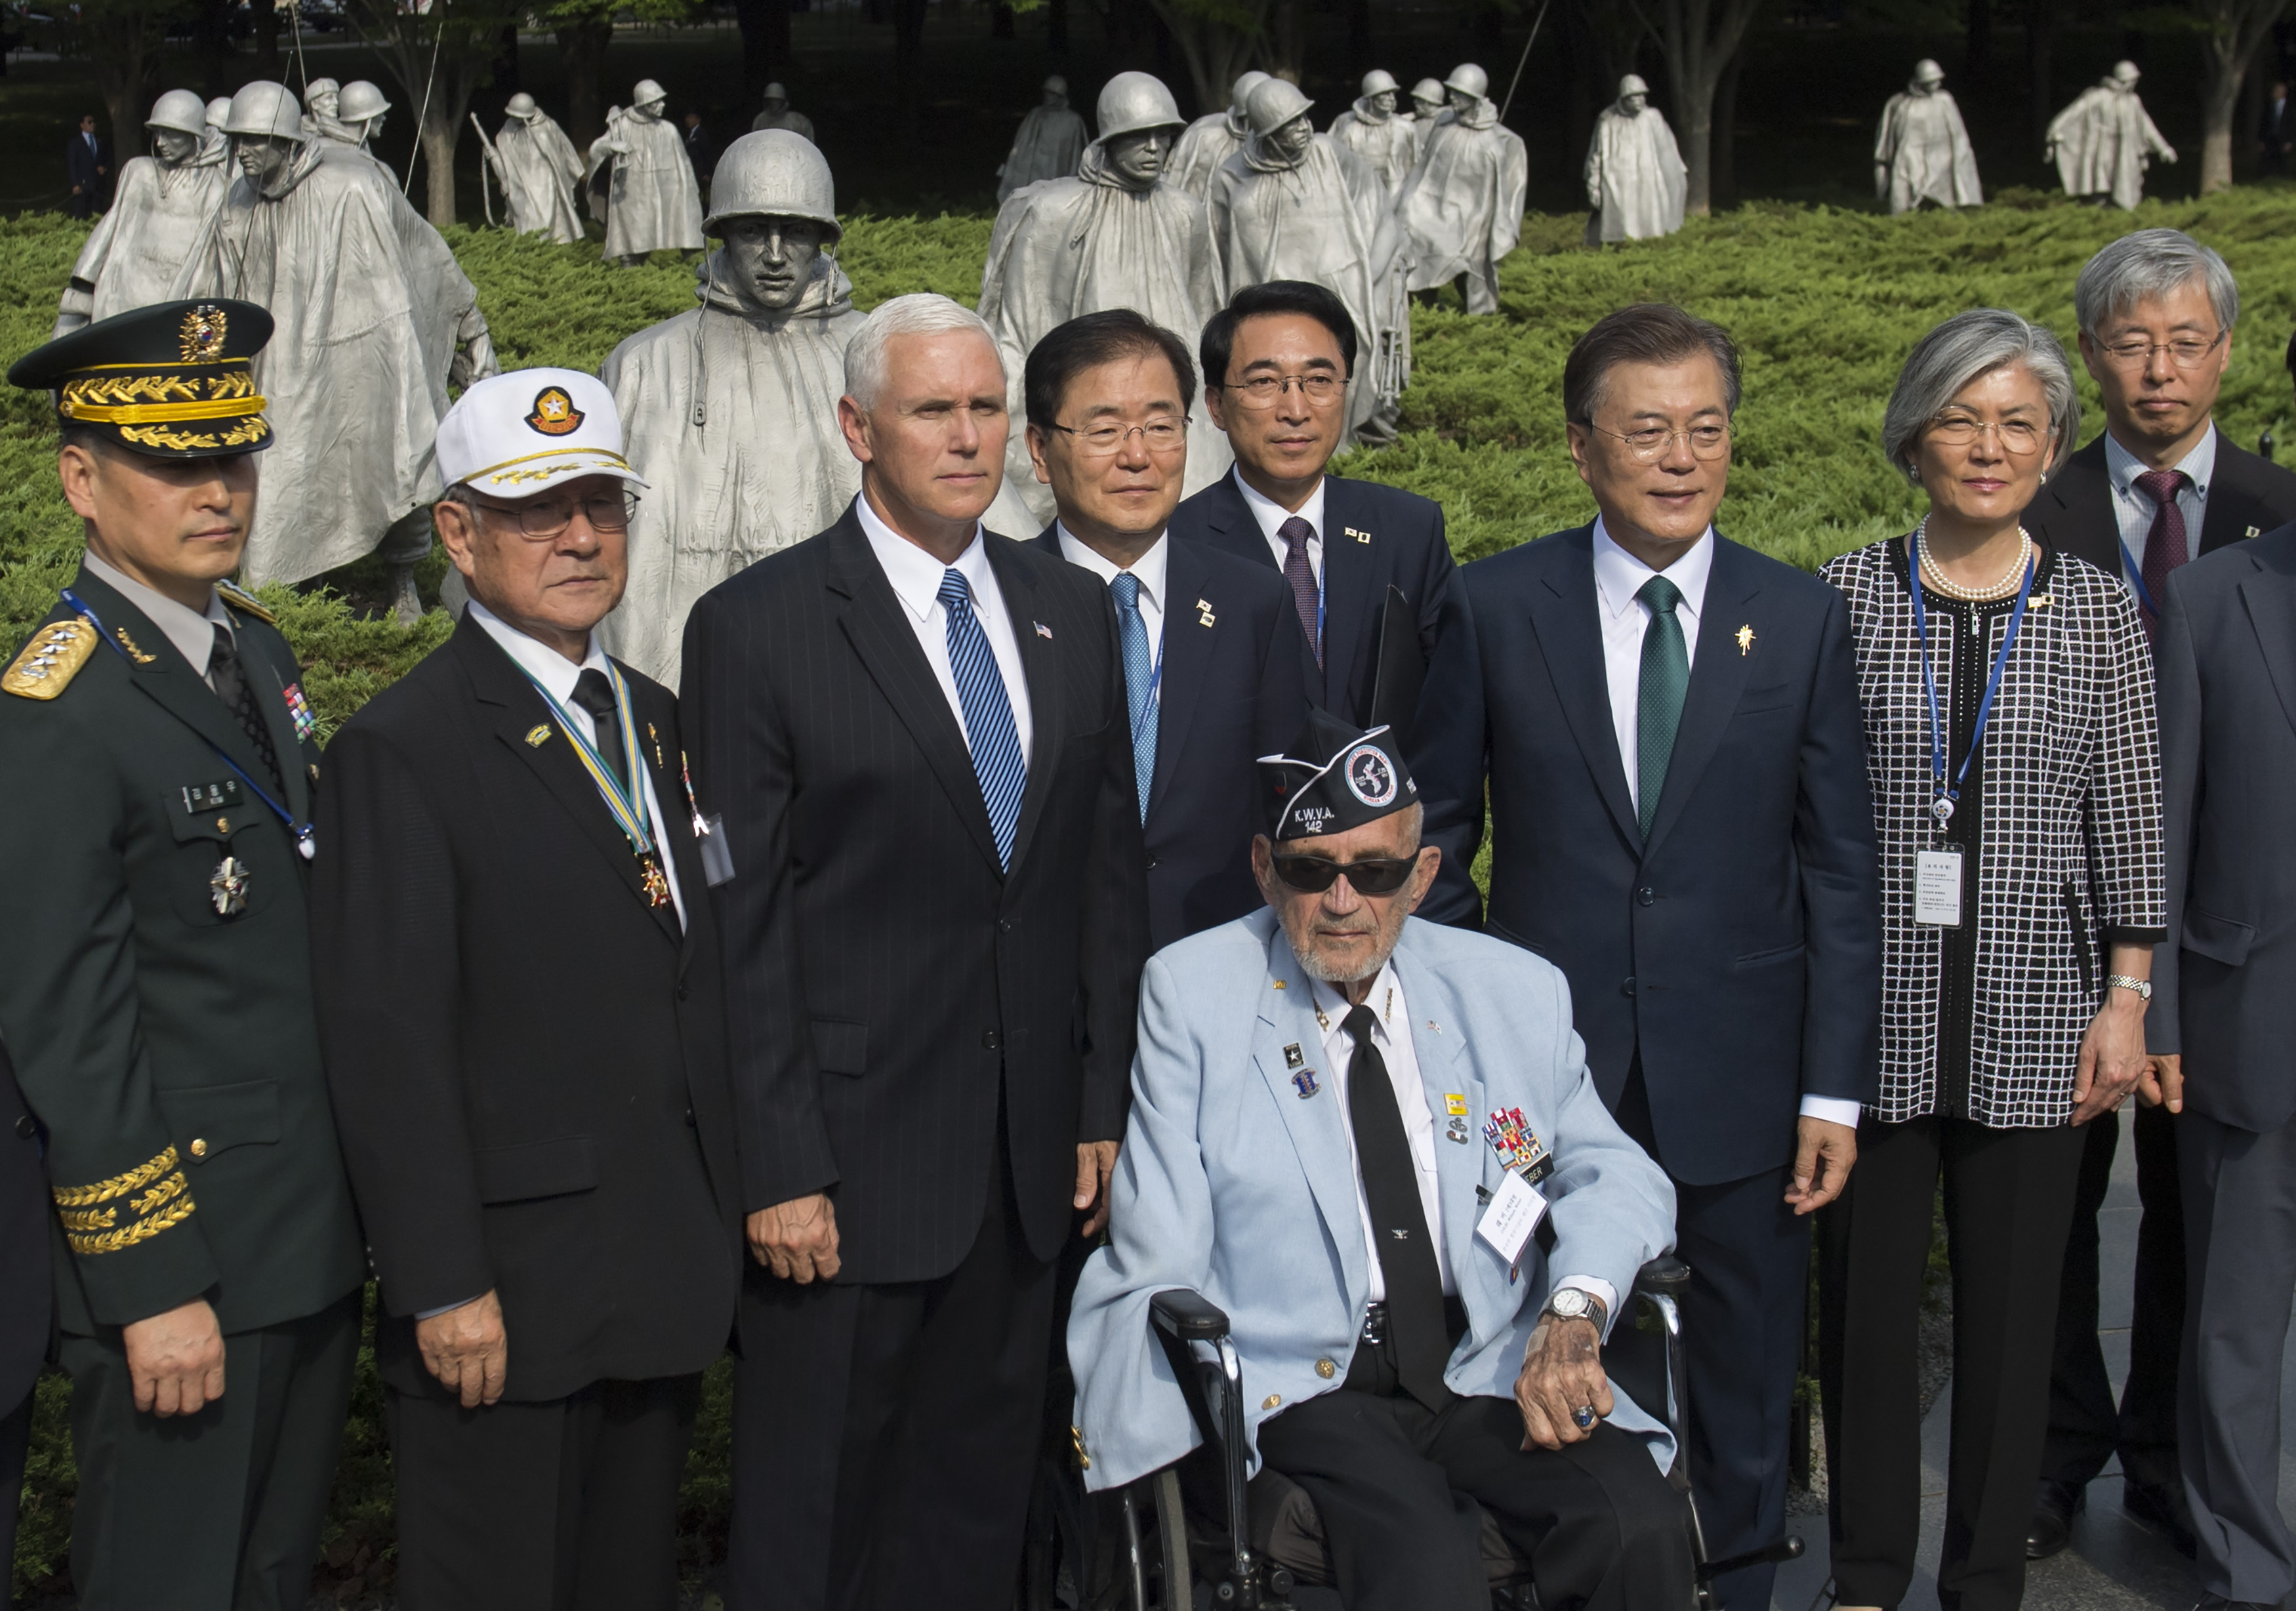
{"points": [[2143, 987], [1575, 1304]]}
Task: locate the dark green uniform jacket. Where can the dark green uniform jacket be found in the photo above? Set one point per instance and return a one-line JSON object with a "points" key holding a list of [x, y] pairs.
{"points": [[170, 1049]]}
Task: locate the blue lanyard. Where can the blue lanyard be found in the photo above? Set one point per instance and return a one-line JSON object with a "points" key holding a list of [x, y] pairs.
{"points": [[2136, 570], [300, 834], [1155, 686], [1941, 807]]}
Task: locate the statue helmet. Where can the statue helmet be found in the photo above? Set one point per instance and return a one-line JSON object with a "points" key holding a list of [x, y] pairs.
{"points": [[219, 110], [361, 101], [775, 92], [316, 87], [1273, 104], [647, 92], [1132, 101], [179, 110], [2125, 72], [1427, 89], [1057, 85], [1469, 79], [1632, 84], [266, 110], [1379, 81], [774, 173], [1239, 96], [1927, 71], [521, 106]]}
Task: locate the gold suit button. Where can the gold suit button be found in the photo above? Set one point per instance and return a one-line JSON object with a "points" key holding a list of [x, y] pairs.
{"points": [[1323, 1367], [1271, 1400], [199, 1149]]}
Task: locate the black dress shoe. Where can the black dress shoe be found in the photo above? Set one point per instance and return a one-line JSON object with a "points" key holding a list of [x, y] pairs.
{"points": [[2164, 1506], [2054, 1506]]}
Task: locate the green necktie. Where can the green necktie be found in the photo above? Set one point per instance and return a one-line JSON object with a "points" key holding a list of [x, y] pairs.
{"points": [[1658, 706]]}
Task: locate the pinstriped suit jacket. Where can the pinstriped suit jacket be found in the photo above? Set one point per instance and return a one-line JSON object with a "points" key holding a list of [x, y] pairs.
{"points": [[887, 983]]}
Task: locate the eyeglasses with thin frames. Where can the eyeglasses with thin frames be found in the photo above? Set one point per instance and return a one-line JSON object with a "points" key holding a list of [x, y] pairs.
{"points": [[1163, 434], [1262, 391], [544, 519], [2185, 352], [2021, 439], [1652, 443]]}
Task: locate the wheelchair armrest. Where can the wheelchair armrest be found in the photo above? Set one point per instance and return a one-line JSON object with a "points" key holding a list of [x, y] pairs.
{"points": [[1665, 1276], [1187, 1317]]}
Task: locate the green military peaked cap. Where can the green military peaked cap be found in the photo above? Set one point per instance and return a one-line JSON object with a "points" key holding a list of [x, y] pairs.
{"points": [[175, 379]]}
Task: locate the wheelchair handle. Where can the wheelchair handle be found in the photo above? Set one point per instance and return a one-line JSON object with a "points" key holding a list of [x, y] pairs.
{"points": [[1665, 1276]]}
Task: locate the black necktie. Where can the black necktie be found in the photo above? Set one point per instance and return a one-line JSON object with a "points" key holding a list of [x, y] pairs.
{"points": [[1415, 1327], [229, 681], [596, 695]]}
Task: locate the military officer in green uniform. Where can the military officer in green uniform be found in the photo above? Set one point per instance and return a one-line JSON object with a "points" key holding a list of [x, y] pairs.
{"points": [[156, 994]]}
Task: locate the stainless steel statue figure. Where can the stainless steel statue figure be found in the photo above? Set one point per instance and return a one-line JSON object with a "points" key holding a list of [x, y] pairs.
{"points": [[652, 203], [1296, 205], [361, 114], [1921, 153], [1636, 181], [322, 101], [1120, 234], [212, 138], [1049, 144], [2105, 141], [162, 202], [775, 113], [1462, 206], [376, 319], [1429, 101], [1376, 132], [1213, 138], [730, 410], [539, 169]]}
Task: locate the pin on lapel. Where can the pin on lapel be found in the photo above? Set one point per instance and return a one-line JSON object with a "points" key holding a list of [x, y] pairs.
{"points": [[538, 735], [1204, 617], [1360, 536], [656, 737], [1043, 631], [140, 657], [1746, 635], [2253, 531], [1305, 1081], [1293, 1057]]}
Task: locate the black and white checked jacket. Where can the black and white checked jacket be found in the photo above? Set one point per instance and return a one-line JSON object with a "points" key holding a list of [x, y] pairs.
{"points": [[2073, 841]]}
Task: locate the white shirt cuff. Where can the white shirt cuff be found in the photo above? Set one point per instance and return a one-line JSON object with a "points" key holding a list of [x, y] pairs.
{"points": [[1601, 1292], [1834, 1109], [432, 1314]]}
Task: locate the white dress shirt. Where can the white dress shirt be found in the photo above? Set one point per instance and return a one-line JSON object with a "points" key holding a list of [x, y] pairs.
{"points": [[1151, 569], [558, 674], [916, 577], [2134, 507], [1619, 575], [1271, 516], [187, 629]]}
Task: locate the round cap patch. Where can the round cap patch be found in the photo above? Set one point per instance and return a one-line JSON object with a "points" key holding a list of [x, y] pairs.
{"points": [[554, 413], [1370, 778]]}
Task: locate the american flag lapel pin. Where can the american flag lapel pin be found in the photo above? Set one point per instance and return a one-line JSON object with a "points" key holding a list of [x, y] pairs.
{"points": [[1043, 631]]}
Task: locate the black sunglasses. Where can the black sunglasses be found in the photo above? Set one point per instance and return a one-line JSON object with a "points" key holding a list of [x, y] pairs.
{"points": [[1374, 875]]}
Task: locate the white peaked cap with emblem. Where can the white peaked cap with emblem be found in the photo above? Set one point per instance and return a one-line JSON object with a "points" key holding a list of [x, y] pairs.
{"points": [[514, 434]]}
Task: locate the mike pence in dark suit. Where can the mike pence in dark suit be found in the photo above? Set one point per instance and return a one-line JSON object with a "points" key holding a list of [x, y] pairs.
{"points": [[1276, 363], [915, 731], [521, 998], [1209, 642], [1684, 828]]}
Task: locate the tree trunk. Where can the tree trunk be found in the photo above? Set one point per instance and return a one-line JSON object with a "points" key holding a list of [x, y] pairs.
{"points": [[1725, 132], [1698, 37], [2235, 28], [1284, 50], [1056, 27], [1216, 51], [121, 44], [266, 41], [441, 130], [503, 69], [765, 26], [1000, 19], [1359, 61], [1978, 43], [2040, 66], [909, 62], [582, 53]]}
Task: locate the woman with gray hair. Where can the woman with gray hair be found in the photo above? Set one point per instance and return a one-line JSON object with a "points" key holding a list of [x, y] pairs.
{"points": [[2008, 702]]}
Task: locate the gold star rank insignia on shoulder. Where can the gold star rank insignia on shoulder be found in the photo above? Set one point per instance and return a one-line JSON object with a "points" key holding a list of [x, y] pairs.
{"points": [[45, 665]]}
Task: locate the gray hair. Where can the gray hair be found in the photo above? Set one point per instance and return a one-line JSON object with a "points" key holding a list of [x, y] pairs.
{"points": [[1963, 348], [921, 313], [2147, 264]]}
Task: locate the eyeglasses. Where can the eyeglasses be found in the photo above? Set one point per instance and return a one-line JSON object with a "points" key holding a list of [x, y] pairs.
{"points": [[1374, 875], [2185, 352], [1652, 443], [550, 518], [1262, 391], [2019, 437], [1163, 434]]}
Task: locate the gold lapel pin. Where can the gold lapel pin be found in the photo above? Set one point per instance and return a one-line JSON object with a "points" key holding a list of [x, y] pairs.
{"points": [[2253, 531], [130, 645], [1746, 635], [656, 737], [1360, 536], [535, 736]]}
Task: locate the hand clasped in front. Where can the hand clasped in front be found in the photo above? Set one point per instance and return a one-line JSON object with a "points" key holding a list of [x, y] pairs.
{"points": [[1561, 1380]]}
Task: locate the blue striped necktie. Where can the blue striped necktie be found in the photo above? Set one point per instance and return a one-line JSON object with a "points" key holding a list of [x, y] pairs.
{"points": [[1139, 680], [981, 695]]}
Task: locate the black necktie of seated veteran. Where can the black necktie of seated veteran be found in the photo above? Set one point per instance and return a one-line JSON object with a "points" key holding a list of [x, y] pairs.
{"points": [[159, 1007]]}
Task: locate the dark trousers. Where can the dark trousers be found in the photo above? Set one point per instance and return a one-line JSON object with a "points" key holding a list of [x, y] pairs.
{"points": [[566, 1505], [218, 1509], [1749, 1258], [884, 1435], [2240, 1237], [2008, 1199], [2085, 1429], [15, 1442]]}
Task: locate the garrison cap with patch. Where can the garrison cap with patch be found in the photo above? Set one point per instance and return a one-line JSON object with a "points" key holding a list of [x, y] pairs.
{"points": [[175, 380], [514, 434], [1334, 776]]}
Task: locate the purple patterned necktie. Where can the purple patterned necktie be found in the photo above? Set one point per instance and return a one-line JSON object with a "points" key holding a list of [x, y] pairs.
{"points": [[2165, 548], [1295, 533]]}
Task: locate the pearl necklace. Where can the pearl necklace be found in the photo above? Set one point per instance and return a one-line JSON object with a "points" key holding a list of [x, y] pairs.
{"points": [[1937, 580]]}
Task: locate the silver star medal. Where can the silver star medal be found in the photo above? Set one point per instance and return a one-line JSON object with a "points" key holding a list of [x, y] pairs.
{"points": [[227, 889]]}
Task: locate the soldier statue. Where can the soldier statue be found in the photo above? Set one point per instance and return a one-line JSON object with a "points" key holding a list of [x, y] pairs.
{"points": [[1636, 181], [1922, 152], [1050, 141], [1213, 138], [1462, 205], [538, 170], [2105, 140], [1428, 100], [729, 410], [136, 250], [775, 113], [1376, 132], [322, 101], [653, 200]]}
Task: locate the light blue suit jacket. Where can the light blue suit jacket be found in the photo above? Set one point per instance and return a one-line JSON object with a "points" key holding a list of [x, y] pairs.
{"points": [[1234, 1185]]}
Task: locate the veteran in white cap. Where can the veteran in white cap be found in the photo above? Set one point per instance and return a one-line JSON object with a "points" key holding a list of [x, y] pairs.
{"points": [[520, 1008]]}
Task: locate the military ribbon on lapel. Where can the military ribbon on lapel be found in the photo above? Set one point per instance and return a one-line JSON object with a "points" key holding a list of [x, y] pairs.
{"points": [[629, 815]]}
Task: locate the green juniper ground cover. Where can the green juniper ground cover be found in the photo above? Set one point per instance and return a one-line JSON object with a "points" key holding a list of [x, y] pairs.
{"points": [[1825, 304]]}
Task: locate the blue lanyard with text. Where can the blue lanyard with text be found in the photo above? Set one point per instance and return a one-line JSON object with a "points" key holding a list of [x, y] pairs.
{"points": [[301, 833], [1941, 807]]}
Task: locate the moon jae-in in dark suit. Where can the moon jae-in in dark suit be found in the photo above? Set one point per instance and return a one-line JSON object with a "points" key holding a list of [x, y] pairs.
{"points": [[919, 1033]]}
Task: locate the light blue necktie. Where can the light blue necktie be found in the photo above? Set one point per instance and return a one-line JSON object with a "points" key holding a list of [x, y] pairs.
{"points": [[1139, 680], [981, 695]]}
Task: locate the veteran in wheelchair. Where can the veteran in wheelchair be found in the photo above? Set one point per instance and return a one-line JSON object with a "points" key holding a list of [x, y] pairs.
{"points": [[1370, 1199]]}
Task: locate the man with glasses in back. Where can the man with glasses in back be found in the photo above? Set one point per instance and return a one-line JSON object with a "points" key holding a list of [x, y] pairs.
{"points": [[2159, 487], [1275, 364], [1670, 728]]}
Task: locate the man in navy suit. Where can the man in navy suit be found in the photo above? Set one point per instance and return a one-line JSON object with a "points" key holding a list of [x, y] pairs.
{"points": [[1276, 362], [87, 165], [1211, 655], [1680, 819]]}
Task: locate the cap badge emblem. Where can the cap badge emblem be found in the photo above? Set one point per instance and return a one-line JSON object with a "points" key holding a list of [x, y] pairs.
{"points": [[554, 413], [1370, 778], [202, 334]]}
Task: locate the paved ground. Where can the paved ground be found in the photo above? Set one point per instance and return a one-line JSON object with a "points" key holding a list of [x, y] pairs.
{"points": [[2115, 1563]]}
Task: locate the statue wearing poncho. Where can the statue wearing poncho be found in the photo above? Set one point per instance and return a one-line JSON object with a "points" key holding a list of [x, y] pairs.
{"points": [[1120, 234], [1921, 153], [1049, 144], [1294, 204], [1212, 139], [2103, 142], [132, 256], [539, 169], [1636, 181], [1371, 129], [730, 411], [1462, 206], [652, 203]]}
